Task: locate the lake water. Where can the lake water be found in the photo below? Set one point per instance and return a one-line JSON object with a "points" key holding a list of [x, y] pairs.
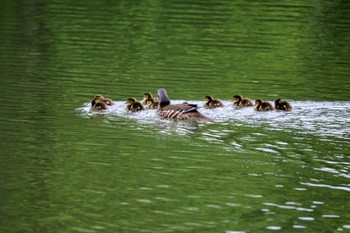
{"points": [[65, 169]]}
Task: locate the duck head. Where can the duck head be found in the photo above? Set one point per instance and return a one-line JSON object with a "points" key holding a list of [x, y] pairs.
{"points": [[163, 98]]}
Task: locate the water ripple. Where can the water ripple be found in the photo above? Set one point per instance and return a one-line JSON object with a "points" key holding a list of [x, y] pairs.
{"points": [[327, 186], [307, 117], [288, 207]]}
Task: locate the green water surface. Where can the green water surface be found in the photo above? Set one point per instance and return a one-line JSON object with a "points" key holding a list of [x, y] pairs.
{"points": [[65, 170]]}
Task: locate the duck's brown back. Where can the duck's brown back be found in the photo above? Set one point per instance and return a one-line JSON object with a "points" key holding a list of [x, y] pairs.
{"points": [[181, 112], [215, 103], [108, 101], [99, 106], [246, 103], [284, 105], [137, 106], [266, 106]]}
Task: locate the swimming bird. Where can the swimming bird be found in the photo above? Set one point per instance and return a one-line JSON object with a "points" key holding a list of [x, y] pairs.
{"points": [[152, 104], [212, 102], [177, 111], [101, 98], [148, 96], [282, 105], [99, 103], [133, 105], [99, 106], [263, 106], [239, 101]]}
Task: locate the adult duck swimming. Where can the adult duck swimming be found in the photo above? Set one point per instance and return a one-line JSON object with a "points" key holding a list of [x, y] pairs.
{"points": [[177, 111]]}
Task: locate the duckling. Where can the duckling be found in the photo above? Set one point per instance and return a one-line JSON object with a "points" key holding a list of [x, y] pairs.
{"points": [[99, 106], [282, 105], [100, 98], [99, 103], [151, 104], [177, 111], [263, 106], [242, 102], [133, 105], [212, 102], [148, 96]]}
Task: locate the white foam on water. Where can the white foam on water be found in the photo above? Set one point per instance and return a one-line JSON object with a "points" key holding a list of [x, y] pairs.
{"points": [[320, 118]]}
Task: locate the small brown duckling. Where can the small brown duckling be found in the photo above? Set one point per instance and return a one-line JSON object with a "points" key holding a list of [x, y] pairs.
{"points": [[148, 96], [263, 106], [212, 102], [239, 101], [282, 105], [99, 106], [101, 98], [152, 104], [177, 111], [99, 103], [133, 105]]}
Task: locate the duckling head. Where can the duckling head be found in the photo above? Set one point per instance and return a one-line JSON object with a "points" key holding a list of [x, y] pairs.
{"points": [[150, 102], [208, 98], [130, 100], [147, 96], [258, 102], [277, 101], [100, 106], [237, 98], [96, 99]]}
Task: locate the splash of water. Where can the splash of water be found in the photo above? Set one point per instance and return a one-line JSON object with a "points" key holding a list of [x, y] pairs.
{"points": [[320, 118]]}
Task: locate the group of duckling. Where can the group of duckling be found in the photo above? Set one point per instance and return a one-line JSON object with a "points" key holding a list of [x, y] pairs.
{"points": [[239, 101], [100, 103], [185, 110]]}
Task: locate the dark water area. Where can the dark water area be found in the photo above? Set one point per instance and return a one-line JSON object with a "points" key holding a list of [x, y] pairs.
{"points": [[66, 169]]}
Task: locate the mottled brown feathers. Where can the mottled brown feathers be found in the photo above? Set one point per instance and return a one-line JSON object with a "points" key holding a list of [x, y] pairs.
{"points": [[152, 104], [282, 105], [263, 106], [177, 111], [185, 110], [211, 102], [148, 96], [99, 106], [133, 105], [239, 101], [99, 103]]}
